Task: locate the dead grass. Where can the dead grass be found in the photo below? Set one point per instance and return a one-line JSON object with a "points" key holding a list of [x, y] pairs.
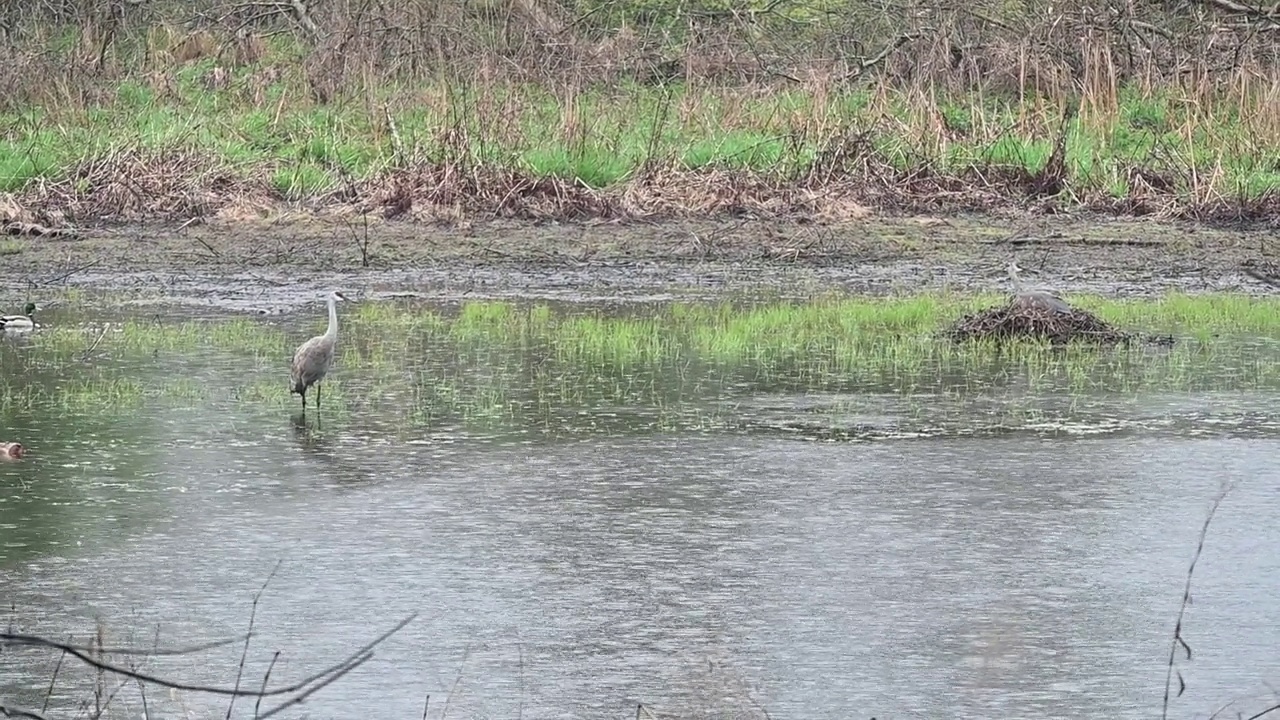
{"points": [[179, 185], [992, 108]]}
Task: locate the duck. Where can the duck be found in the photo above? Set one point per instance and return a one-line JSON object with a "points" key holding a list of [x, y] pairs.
{"points": [[20, 323], [11, 451]]}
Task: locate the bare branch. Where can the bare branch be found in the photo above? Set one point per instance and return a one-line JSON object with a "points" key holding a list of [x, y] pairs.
{"points": [[1178, 640], [36, 640], [253, 614], [342, 667], [321, 685], [11, 712], [871, 62], [266, 677], [1234, 7]]}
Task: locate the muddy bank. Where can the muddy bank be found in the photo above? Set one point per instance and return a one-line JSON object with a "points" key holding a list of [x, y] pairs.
{"points": [[273, 267]]}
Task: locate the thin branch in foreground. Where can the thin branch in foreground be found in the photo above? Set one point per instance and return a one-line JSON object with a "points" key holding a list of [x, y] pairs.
{"points": [[266, 677], [244, 652], [94, 346], [1178, 640], [110, 697], [316, 688], [343, 666], [52, 681], [12, 712], [36, 640], [453, 690], [142, 692], [1268, 711]]}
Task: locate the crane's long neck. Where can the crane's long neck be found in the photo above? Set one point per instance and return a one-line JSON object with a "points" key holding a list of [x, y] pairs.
{"points": [[1013, 275], [332, 332]]}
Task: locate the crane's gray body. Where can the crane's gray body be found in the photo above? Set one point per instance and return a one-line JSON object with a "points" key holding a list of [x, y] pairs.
{"points": [[312, 362]]}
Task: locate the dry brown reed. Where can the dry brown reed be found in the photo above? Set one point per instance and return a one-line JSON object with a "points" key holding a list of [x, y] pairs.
{"points": [[136, 185], [67, 56]]}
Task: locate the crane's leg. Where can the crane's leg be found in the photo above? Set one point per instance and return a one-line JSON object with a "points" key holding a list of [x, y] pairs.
{"points": [[304, 401], [317, 396]]}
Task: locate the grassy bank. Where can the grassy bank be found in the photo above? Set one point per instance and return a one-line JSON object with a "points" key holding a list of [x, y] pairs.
{"points": [[180, 150], [167, 122]]}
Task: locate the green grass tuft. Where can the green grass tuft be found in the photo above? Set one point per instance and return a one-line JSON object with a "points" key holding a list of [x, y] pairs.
{"points": [[510, 364]]}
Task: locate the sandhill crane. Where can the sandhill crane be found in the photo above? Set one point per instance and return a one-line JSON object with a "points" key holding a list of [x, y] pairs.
{"points": [[312, 360], [20, 323], [1035, 298]]}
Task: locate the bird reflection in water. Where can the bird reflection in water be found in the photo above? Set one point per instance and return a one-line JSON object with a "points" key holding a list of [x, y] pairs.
{"points": [[320, 445]]}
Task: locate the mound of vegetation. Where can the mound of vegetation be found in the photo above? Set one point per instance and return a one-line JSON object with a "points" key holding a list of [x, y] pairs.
{"points": [[1017, 319]]}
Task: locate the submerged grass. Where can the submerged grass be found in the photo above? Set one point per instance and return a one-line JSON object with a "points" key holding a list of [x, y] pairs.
{"points": [[541, 366]]}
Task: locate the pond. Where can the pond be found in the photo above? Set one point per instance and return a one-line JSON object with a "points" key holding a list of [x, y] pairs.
{"points": [[806, 510]]}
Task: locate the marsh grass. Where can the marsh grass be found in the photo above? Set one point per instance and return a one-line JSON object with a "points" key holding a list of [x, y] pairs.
{"points": [[761, 152], [542, 368], [98, 394], [180, 123]]}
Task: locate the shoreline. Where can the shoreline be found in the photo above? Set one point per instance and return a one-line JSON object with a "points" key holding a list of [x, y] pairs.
{"points": [[274, 265]]}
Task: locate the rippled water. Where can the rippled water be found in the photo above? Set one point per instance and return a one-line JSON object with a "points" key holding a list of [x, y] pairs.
{"points": [[724, 547]]}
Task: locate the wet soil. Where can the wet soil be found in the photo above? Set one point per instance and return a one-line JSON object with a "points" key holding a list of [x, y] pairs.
{"points": [[273, 267]]}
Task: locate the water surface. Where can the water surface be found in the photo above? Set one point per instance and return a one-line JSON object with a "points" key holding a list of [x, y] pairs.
{"points": [[708, 539]]}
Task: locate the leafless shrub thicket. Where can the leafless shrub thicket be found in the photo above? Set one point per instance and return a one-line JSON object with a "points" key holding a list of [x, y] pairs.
{"points": [[1044, 47]]}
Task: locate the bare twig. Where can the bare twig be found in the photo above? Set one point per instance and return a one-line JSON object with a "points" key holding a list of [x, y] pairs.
{"points": [[342, 666], [361, 239], [879, 57], [1238, 8], [1178, 640], [52, 680], [257, 705], [1268, 711], [142, 692], [253, 614], [110, 697], [101, 675], [87, 353], [319, 686], [461, 668], [73, 271], [13, 712]]}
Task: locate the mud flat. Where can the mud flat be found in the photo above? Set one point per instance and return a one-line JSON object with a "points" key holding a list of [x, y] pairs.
{"points": [[273, 266]]}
